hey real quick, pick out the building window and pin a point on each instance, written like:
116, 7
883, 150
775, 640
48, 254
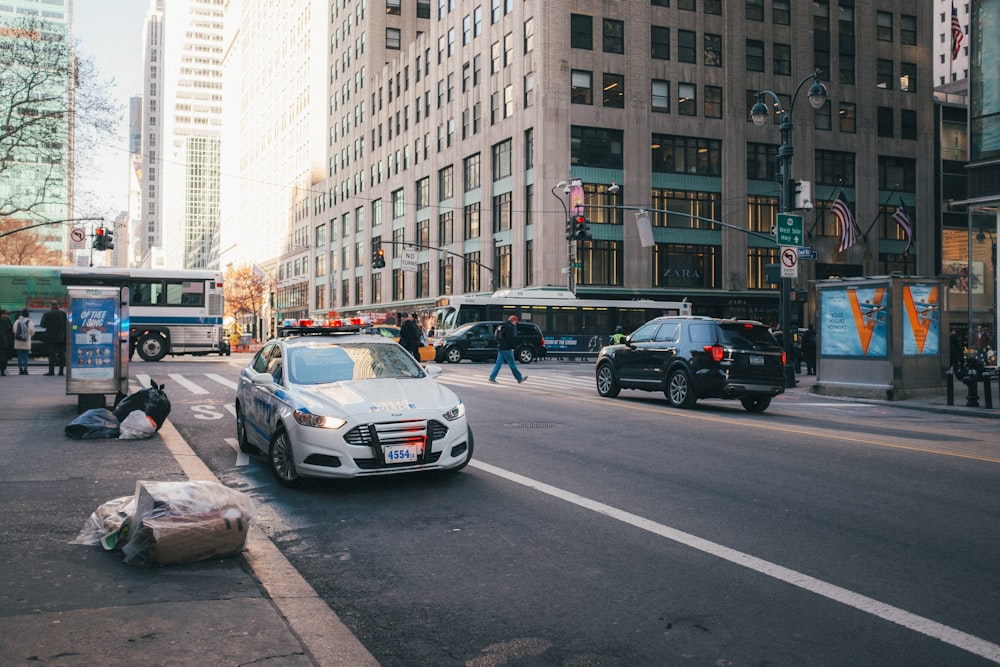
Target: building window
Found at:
687, 5
908, 77
614, 36
398, 205
674, 154
781, 12
470, 173
502, 160
883, 26
762, 162
755, 10
581, 87
713, 50
782, 58
886, 122
755, 55
614, 91
502, 212
602, 263
392, 38
897, 173
581, 32
596, 147
424, 192
392, 7
446, 183
835, 168
687, 99
659, 42
446, 228
848, 117
713, 102
471, 221
529, 90
660, 100
681, 265
908, 124
846, 43
423, 9
712, 7
686, 48
471, 281
908, 29
529, 35
883, 74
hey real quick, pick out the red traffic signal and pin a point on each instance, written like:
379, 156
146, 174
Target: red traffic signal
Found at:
581, 230
378, 258
99, 239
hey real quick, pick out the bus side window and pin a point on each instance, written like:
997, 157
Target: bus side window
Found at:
140, 294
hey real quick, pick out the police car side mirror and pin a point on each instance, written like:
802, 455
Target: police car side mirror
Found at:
262, 379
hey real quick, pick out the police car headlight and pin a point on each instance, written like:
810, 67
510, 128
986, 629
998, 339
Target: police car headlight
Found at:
317, 421
456, 412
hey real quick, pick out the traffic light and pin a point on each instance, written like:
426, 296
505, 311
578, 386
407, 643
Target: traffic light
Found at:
378, 258
581, 228
802, 196
570, 230
99, 239
109, 238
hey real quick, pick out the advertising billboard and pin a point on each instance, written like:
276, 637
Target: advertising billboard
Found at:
854, 321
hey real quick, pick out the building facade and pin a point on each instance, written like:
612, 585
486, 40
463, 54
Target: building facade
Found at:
37, 177
452, 128
181, 135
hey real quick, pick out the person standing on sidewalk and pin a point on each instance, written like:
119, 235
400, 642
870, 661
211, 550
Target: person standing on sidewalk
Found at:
24, 329
505, 350
54, 323
6, 340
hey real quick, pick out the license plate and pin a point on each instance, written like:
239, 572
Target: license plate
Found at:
756, 360
401, 453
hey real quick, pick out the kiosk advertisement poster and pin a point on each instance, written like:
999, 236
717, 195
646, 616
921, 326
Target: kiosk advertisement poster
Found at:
93, 335
854, 321
921, 320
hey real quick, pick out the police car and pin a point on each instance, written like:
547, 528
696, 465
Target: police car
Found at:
328, 401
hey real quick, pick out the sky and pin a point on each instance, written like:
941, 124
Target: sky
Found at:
109, 32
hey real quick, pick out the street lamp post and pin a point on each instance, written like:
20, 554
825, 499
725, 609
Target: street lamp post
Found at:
569, 243
760, 114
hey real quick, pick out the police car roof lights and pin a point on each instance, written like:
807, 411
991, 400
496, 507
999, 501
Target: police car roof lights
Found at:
306, 327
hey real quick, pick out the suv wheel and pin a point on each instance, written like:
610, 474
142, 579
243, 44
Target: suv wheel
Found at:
524, 355
453, 355
755, 403
679, 391
607, 384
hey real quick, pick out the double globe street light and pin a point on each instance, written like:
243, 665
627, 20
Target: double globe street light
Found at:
760, 113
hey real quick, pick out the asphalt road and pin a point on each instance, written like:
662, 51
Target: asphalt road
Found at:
592, 531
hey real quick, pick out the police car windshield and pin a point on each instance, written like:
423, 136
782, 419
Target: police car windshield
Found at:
322, 363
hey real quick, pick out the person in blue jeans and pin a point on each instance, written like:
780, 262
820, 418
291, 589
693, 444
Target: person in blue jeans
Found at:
505, 350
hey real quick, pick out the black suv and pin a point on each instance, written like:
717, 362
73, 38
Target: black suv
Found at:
688, 358
475, 341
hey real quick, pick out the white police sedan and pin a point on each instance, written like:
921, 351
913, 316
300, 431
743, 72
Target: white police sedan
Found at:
329, 402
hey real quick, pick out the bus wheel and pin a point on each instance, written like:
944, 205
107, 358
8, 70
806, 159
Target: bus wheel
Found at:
152, 347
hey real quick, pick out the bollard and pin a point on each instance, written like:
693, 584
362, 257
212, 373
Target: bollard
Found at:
987, 391
972, 381
950, 379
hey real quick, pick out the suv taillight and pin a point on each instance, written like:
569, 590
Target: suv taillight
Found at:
716, 351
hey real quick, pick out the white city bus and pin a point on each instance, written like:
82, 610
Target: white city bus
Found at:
569, 324
170, 311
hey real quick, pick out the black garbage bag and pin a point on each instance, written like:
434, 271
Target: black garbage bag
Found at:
94, 424
152, 400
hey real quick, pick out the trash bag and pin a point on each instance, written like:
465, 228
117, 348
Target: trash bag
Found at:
172, 522
152, 400
94, 424
137, 426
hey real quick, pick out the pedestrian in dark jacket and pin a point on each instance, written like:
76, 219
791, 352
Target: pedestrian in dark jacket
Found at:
6, 340
409, 336
505, 350
54, 323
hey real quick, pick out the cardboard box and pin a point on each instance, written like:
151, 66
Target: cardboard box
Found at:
186, 539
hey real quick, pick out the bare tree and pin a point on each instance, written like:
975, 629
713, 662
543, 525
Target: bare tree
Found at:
51, 105
23, 248
244, 292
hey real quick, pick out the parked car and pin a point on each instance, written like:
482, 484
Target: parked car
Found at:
322, 402
476, 341
688, 358
392, 331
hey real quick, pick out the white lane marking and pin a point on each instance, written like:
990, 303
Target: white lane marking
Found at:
863, 603
224, 381
187, 384
242, 458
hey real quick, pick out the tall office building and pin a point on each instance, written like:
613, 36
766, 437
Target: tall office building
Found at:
37, 181
181, 133
452, 127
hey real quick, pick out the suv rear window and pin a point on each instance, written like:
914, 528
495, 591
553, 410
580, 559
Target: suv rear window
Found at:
743, 336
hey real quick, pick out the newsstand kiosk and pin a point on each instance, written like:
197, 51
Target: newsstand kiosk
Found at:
97, 329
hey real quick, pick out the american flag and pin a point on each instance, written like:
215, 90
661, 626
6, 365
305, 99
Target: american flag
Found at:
903, 220
849, 230
956, 33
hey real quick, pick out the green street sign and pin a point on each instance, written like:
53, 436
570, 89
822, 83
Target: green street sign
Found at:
790, 230
577, 265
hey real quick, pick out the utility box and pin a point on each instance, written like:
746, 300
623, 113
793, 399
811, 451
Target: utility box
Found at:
97, 344
881, 337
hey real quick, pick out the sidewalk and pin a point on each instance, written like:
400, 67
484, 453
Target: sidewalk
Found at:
65, 604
